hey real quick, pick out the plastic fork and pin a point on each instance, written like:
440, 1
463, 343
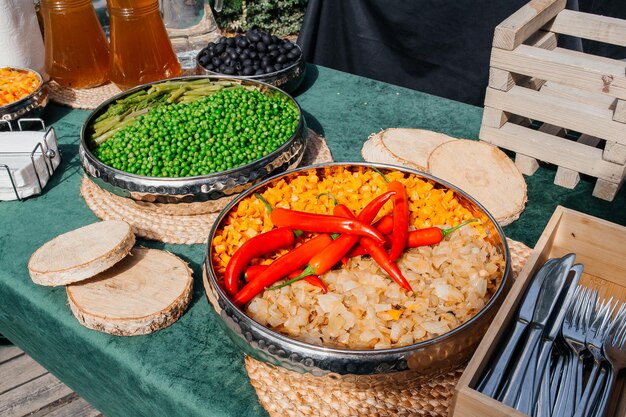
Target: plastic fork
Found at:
615, 353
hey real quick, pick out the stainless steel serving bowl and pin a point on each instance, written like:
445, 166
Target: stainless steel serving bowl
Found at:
287, 79
368, 367
199, 188
29, 106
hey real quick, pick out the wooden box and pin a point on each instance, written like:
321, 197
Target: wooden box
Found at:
600, 246
532, 78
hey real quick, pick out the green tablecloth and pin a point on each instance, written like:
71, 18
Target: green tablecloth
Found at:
191, 368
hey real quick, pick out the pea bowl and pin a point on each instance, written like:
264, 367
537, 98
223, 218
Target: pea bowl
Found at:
230, 167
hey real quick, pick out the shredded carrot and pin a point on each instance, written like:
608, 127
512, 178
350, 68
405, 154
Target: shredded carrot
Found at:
428, 206
16, 84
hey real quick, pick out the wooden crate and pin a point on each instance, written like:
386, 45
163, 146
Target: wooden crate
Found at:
531, 78
600, 246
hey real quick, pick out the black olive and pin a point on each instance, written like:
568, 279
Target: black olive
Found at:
205, 52
247, 62
242, 43
219, 49
209, 67
275, 40
260, 55
254, 37
230, 42
271, 47
274, 54
269, 69
282, 50
228, 61
238, 50
229, 70
292, 56
247, 71
278, 67
252, 54
281, 59
287, 64
210, 44
266, 61
222, 67
216, 61
222, 40
261, 47
238, 66
267, 39
256, 66
288, 45
259, 72
203, 60
234, 56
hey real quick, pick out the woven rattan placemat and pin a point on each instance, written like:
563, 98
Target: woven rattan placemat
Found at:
286, 393
177, 223
87, 98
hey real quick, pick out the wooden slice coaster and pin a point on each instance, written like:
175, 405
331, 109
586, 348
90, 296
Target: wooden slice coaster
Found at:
405, 147
81, 253
145, 292
287, 393
484, 172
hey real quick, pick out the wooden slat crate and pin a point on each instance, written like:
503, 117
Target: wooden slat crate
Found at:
531, 78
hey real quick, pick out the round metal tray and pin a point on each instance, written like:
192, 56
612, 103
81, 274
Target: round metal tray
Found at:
441, 353
29, 106
287, 79
198, 188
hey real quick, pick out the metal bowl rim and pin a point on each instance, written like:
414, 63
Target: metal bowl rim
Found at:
158, 180
254, 77
23, 100
350, 352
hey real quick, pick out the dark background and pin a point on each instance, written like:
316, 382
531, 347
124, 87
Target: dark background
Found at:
441, 47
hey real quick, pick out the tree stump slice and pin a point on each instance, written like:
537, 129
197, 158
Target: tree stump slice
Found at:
145, 292
405, 147
484, 172
81, 254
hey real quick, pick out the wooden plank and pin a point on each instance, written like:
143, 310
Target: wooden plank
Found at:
9, 352
614, 152
527, 165
494, 117
569, 178
619, 114
542, 39
601, 101
584, 118
523, 23
70, 406
606, 190
18, 371
589, 26
552, 149
571, 68
500, 79
32, 396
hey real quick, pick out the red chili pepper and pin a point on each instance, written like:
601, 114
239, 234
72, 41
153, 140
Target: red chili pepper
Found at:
255, 270
378, 253
400, 220
432, 235
327, 258
384, 225
282, 267
421, 237
323, 223
253, 248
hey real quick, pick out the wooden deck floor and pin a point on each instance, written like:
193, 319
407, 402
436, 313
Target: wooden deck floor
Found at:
27, 389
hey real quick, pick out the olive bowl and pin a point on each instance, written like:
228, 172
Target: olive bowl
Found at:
366, 368
287, 79
193, 189
31, 105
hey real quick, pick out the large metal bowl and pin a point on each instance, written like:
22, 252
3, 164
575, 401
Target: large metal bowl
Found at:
29, 106
442, 353
199, 188
288, 79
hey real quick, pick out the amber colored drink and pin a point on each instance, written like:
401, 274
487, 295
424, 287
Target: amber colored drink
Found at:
141, 51
77, 52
